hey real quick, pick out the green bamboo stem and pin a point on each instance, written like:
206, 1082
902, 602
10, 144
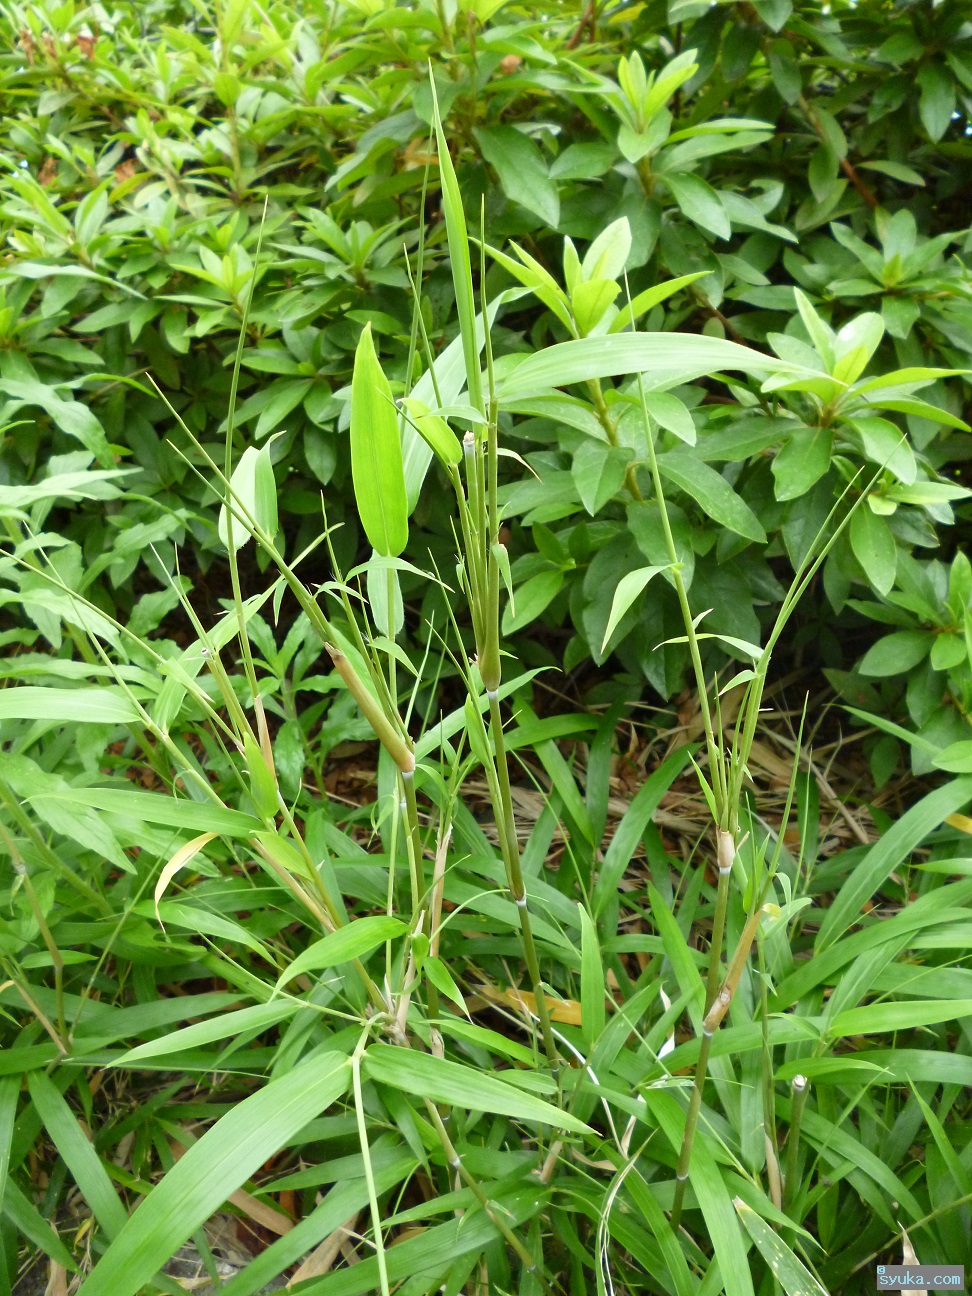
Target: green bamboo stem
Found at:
489, 656
710, 1024
507, 832
456, 1165
716, 765
359, 1111
773, 1173
725, 855
413, 841
799, 1089
691, 1122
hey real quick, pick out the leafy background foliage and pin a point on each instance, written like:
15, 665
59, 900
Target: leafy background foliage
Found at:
783, 154
789, 177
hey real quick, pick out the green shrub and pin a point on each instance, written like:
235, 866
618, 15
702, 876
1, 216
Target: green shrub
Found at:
779, 151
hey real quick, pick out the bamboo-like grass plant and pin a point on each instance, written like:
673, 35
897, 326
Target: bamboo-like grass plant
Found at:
396, 1039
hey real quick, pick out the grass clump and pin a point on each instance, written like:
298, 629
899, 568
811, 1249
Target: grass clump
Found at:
473, 1042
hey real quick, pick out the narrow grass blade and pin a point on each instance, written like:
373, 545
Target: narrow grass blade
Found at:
223, 1159
152, 808
896, 845
28, 1221
636, 819
443, 1081
256, 1017
458, 240
354, 941
78, 1153
788, 1270
712, 1196
592, 981
106, 705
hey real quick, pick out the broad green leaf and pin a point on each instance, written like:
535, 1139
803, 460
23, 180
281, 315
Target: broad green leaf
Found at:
948, 651
874, 548
896, 170
744, 438
785, 70
583, 161
923, 409
651, 297
443, 1081
353, 941
668, 80
221, 1161
376, 454
629, 588
105, 705
699, 202
665, 359
88, 484
589, 300
608, 254
522, 171
529, 272
437, 971
899, 315
254, 487
671, 413
531, 598
71, 416
897, 653
787, 1268
955, 759
284, 399
435, 431
936, 101
887, 446
855, 344
599, 471
927, 492
821, 334
802, 460
711, 490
